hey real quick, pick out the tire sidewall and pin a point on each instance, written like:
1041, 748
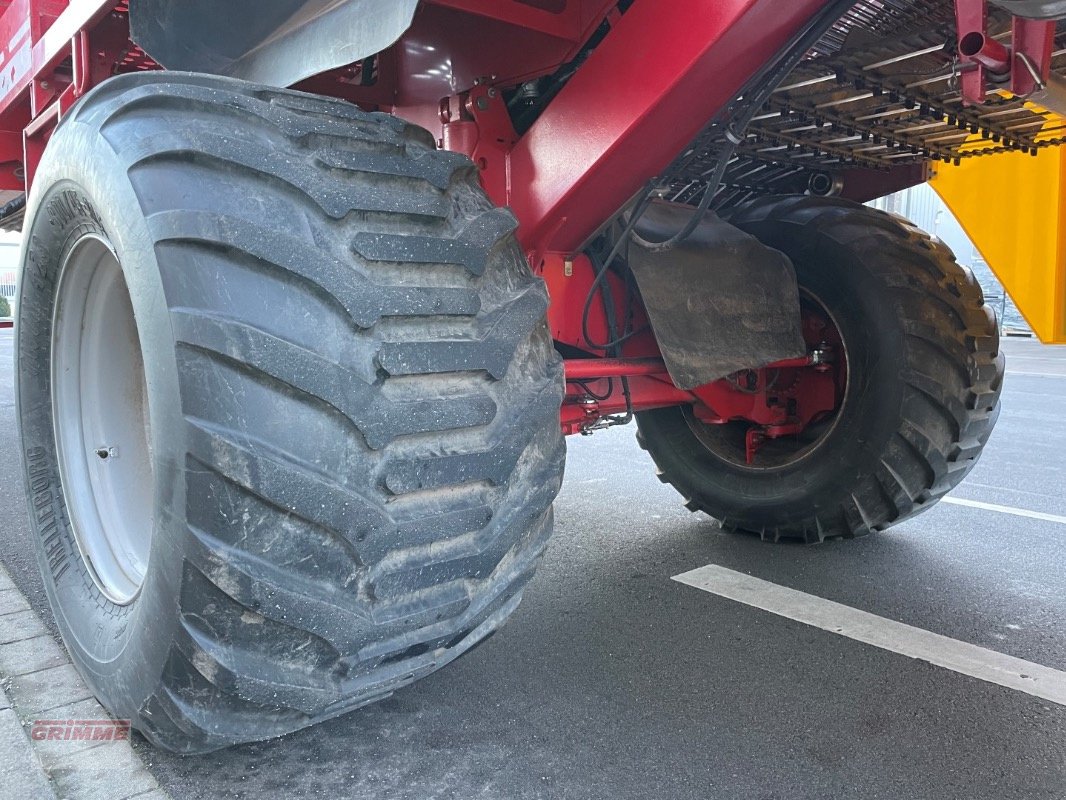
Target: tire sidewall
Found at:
81, 187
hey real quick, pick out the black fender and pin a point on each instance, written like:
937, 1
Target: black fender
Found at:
276, 42
718, 301
1034, 9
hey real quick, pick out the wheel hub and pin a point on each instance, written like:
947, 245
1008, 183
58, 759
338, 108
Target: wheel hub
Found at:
770, 417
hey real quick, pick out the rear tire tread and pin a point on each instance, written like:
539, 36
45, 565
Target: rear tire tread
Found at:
953, 371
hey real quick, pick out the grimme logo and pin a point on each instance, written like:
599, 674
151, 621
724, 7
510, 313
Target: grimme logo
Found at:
97, 730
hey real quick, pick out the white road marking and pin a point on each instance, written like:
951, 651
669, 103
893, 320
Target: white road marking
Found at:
1017, 512
897, 637
1036, 374
971, 483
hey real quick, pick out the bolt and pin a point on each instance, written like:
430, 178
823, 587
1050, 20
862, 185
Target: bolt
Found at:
105, 453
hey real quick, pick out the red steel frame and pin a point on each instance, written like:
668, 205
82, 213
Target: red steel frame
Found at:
991, 61
638, 99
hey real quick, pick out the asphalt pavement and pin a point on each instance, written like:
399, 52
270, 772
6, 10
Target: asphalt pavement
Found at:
614, 681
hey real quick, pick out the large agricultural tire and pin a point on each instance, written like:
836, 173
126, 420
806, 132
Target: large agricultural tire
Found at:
305, 400
924, 374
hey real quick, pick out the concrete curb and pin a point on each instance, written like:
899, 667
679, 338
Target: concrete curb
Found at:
38, 682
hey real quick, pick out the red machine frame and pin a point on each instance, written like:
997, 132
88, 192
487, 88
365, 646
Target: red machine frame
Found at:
596, 144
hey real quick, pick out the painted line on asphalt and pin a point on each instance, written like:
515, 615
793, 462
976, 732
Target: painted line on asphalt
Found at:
897, 637
1017, 512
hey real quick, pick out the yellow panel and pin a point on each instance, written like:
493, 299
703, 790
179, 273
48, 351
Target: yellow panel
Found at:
1013, 207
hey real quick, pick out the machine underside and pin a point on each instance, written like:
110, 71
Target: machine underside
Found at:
870, 110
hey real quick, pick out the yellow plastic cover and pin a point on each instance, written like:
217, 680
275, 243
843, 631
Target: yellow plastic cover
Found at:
1013, 207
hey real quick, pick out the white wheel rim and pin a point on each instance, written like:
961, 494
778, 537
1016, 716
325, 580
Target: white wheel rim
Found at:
100, 419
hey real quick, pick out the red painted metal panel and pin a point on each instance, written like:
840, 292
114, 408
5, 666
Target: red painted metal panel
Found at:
16, 62
562, 19
569, 283
1035, 39
27, 56
643, 94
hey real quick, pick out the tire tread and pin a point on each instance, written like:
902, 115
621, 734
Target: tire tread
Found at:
952, 374
429, 514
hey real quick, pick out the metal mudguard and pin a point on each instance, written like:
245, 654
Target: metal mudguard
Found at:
1034, 9
276, 42
719, 301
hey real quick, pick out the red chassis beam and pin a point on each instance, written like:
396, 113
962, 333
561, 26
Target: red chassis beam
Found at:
778, 399
658, 77
778, 407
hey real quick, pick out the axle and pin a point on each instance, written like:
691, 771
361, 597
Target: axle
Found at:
779, 399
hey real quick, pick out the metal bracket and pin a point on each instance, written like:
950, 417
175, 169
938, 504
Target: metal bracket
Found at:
1023, 67
476, 123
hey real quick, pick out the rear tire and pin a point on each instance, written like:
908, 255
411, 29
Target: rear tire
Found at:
924, 379
351, 405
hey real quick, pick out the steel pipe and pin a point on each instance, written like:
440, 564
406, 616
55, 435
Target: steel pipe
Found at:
986, 51
586, 369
